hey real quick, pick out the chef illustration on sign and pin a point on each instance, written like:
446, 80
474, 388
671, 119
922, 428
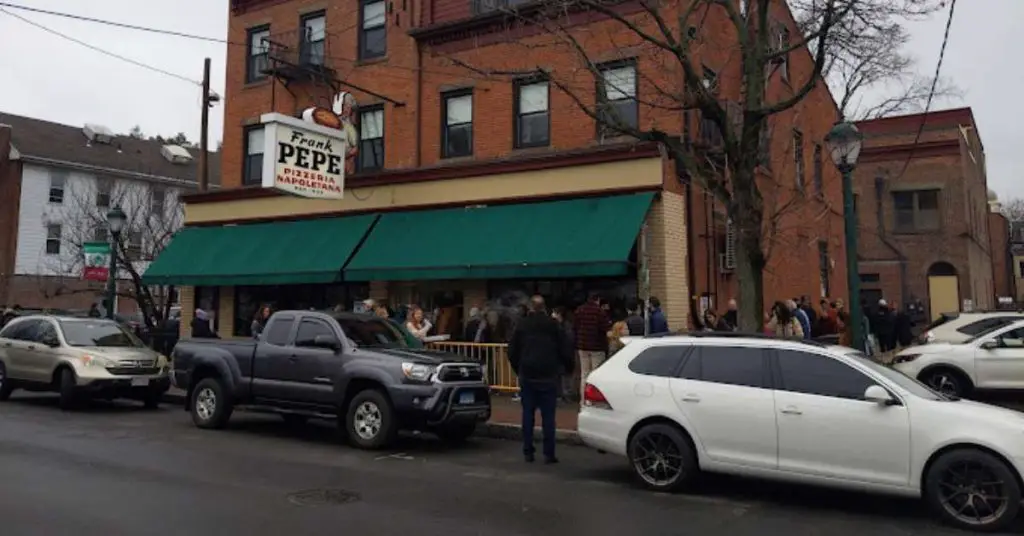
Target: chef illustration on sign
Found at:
342, 117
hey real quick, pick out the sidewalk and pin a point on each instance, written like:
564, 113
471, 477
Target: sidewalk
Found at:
506, 416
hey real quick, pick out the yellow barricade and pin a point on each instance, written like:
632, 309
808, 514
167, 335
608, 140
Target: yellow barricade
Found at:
493, 357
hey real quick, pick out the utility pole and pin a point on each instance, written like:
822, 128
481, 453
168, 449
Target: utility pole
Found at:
204, 134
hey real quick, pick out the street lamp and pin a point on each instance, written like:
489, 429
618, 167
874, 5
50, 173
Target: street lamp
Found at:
115, 222
844, 144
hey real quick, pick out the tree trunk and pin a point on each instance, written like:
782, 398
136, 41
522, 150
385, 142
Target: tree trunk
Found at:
747, 211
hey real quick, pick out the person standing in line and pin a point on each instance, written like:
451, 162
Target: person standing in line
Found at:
801, 316
417, 324
259, 322
731, 316
539, 354
591, 336
634, 320
658, 322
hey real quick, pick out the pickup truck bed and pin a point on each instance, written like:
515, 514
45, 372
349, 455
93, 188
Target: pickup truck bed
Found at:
357, 369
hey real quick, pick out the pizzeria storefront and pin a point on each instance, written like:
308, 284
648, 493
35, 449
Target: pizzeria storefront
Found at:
484, 237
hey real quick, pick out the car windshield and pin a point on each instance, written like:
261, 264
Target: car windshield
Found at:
373, 332
97, 333
909, 384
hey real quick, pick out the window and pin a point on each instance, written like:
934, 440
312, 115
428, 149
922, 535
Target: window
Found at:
658, 361
733, 365
824, 267
870, 278
252, 170
24, 330
258, 59
373, 36
371, 138
314, 37
783, 42
279, 330
53, 239
532, 121
764, 152
134, 247
798, 159
457, 135
1012, 339
103, 187
820, 375
819, 180
616, 92
310, 329
156, 202
709, 78
977, 328
916, 210
58, 181
99, 234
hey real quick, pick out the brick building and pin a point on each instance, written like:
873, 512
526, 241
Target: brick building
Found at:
924, 212
56, 184
1003, 281
437, 136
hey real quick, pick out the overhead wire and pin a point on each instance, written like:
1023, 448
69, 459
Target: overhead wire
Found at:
103, 51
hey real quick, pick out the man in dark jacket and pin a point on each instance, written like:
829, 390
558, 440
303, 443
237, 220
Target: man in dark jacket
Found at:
540, 353
634, 321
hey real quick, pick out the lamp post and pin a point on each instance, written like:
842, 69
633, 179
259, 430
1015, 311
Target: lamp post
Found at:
115, 222
844, 144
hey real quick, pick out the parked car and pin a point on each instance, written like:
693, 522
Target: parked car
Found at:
958, 327
992, 360
358, 369
79, 357
799, 411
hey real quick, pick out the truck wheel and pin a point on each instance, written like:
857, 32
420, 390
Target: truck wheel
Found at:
68, 390
456, 434
6, 386
211, 408
370, 420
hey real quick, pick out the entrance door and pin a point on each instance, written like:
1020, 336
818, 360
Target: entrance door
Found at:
943, 294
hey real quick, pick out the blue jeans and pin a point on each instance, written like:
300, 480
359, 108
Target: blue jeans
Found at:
543, 396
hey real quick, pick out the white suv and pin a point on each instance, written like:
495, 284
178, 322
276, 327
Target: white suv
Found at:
958, 327
992, 360
804, 412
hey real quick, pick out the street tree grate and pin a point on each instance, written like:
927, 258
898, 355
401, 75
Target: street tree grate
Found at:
317, 497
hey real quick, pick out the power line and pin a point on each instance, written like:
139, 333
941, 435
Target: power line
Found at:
112, 23
101, 50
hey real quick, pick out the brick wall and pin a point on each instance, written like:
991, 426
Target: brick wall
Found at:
10, 190
186, 295
999, 245
666, 235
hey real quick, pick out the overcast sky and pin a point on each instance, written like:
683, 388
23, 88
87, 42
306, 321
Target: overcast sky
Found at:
51, 78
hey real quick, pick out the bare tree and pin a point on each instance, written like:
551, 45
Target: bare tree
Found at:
866, 52
1013, 209
154, 213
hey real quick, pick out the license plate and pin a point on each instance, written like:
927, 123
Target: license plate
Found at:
466, 398
140, 382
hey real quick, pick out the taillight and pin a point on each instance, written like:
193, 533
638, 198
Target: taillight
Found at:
593, 397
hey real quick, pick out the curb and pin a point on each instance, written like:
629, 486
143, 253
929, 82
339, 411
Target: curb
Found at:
492, 430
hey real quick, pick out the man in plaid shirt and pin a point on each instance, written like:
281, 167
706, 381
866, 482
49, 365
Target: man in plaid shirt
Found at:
591, 336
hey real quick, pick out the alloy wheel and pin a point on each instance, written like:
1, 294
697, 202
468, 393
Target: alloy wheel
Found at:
973, 493
368, 420
658, 460
945, 383
206, 403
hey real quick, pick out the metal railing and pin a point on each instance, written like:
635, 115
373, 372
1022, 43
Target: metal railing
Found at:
493, 357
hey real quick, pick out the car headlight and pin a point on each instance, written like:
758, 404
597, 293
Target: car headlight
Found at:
418, 372
96, 361
906, 358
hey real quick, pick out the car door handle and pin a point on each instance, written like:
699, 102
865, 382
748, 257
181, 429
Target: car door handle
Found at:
791, 410
693, 399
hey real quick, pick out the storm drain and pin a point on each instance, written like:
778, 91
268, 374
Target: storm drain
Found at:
318, 497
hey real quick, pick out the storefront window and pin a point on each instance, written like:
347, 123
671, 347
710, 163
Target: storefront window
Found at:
208, 299
294, 297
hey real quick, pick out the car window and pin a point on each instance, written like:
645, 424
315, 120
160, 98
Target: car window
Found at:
309, 328
1013, 338
911, 385
95, 332
13, 330
26, 330
45, 331
658, 361
988, 324
812, 374
733, 365
370, 331
279, 330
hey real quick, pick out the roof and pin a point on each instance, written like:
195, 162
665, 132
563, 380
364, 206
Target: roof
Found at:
44, 139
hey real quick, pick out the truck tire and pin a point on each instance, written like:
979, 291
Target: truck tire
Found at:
68, 390
370, 421
211, 407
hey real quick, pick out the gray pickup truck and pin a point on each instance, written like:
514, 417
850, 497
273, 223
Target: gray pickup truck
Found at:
358, 369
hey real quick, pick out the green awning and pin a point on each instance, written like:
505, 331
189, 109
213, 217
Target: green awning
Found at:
575, 238
277, 253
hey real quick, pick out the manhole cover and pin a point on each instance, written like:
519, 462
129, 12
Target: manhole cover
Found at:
314, 497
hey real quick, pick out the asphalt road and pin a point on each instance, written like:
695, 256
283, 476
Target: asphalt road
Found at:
118, 470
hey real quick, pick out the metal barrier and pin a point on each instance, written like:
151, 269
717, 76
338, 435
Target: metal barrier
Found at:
493, 357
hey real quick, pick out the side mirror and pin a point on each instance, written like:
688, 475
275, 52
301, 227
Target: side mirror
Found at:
326, 342
878, 395
989, 345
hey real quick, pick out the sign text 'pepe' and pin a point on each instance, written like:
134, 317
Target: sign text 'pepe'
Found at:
304, 152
